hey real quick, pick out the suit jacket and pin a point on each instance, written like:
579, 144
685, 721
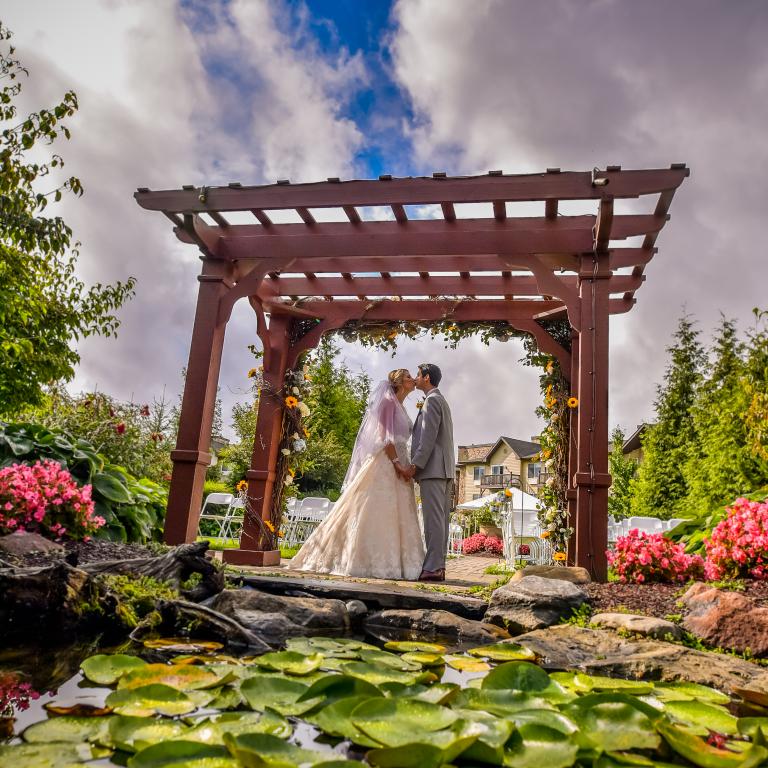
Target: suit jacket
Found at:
432, 440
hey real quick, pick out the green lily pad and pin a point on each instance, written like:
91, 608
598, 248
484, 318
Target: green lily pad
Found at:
335, 720
704, 717
517, 676
106, 669
376, 675
532, 746
550, 718
331, 688
391, 660
227, 698
70, 729
55, 754
608, 722
437, 693
182, 677
254, 750
499, 702
279, 693
132, 734
410, 645
573, 681
684, 691
211, 730
494, 734
183, 645
340, 647
423, 658
290, 662
183, 754
150, 699
617, 685
750, 726
503, 652
341, 764
390, 721
467, 664
696, 749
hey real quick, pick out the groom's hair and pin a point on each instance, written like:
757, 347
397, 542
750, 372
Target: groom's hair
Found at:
431, 370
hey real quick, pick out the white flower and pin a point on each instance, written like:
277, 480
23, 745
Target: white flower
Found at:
285, 452
295, 390
303, 409
288, 480
299, 445
550, 481
295, 436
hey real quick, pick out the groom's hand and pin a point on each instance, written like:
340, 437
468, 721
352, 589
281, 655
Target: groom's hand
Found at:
410, 471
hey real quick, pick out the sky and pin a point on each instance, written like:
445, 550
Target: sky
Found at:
207, 92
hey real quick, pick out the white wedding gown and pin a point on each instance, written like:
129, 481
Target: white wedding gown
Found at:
373, 530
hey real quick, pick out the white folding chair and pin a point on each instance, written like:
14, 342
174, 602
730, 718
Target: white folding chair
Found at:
646, 524
214, 500
455, 537
233, 519
311, 511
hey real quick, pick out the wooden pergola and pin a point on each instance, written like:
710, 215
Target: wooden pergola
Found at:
425, 263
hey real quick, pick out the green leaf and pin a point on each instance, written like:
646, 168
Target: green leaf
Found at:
376, 675
503, 652
331, 688
517, 676
183, 677
183, 754
534, 746
150, 699
133, 734
696, 749
211, 730
685, 691
393, 721
277, 693
56, 754
290, 662
254, 750
111, 488
66, 728
410, 645
106, 669
335, 720
704, 717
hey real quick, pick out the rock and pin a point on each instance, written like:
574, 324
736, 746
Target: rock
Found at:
356, 609
23, 543
726, 619
283, 614
533, 602
565, 573
638, 625
602, 652
430, 623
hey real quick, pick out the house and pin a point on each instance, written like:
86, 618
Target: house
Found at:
633, 447
484, 468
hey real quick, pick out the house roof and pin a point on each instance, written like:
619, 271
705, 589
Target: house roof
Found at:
634, 441
478, 453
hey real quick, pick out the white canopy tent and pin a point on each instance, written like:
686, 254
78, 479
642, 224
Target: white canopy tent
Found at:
518, 501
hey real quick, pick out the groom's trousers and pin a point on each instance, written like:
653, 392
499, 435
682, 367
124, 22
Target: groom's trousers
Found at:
436, 503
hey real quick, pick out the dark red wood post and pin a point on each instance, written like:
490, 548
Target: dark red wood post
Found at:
591, 478
191, 456
261, 476
572, 448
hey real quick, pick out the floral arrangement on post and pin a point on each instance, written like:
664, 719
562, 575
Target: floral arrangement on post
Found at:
45, 499
738, 546
642, 557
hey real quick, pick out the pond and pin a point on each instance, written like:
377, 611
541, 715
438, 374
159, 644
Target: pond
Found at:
327, 701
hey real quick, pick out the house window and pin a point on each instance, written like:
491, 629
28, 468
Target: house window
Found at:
497, 469
534, 470
478, 474
475, 496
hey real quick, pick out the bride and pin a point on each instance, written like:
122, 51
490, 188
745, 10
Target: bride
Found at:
373, 530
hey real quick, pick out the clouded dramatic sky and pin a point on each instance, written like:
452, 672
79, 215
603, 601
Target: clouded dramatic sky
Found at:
212, 91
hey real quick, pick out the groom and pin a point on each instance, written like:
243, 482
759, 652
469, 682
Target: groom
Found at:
433, 466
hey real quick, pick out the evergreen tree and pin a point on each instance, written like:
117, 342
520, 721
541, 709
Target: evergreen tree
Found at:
622, 470
754, 391
661, 487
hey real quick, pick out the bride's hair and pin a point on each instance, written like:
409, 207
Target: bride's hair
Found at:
396, 377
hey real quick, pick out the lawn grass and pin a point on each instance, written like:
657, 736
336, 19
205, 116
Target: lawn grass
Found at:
218, 544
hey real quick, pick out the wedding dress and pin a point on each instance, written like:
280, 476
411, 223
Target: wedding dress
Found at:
373, 529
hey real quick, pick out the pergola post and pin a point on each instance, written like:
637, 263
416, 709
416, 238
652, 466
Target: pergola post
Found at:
191, 456
261, 476
591, 478
572, 448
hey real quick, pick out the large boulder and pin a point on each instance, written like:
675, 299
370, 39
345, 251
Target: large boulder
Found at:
533, 602
602, 652
726, 619
648, 626
574, 574
434, 624
23, 543
279, 615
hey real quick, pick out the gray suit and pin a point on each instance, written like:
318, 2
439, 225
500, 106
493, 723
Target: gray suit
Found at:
432, 454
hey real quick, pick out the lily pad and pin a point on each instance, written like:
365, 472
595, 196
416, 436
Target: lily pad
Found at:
183, 754
254, 750
609, 723
376, 675
517, 676
339, 647
391, 721
278, 693
495, 732
750, 726
391, 660
685, 691
331, 688
617, 685
147, 700
573, 681
59, 754
550, 718
535, 745
78, 709
705, 717
182, 677
290, 662
467, 664
503, 652
435, 694
211, 730
133, 734
215, 658
499, 702
106, 669
423, 658
183, 645
335, 720
227, 698
70, 729
696, 749
410, 645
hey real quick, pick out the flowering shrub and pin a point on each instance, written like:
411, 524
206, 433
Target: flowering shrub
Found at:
644, 557
15, 694
479, 542
738, 546
44, 498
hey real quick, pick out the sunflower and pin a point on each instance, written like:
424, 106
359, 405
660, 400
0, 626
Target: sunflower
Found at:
291, 401
546, 534
507, 492
573, 402
253, 373
241, 486
306, 432
559, 557
269, 525
550, 367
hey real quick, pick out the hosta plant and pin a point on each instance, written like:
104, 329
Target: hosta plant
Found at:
738, 546
642, 557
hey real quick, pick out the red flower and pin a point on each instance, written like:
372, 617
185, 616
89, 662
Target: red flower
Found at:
144, 411
120, 428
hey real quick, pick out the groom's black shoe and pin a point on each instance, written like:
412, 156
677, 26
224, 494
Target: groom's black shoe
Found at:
438, 575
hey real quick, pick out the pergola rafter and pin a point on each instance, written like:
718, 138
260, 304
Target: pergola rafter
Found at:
400, 250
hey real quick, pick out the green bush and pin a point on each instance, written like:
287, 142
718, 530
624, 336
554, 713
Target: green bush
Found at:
215, 486
134, 509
